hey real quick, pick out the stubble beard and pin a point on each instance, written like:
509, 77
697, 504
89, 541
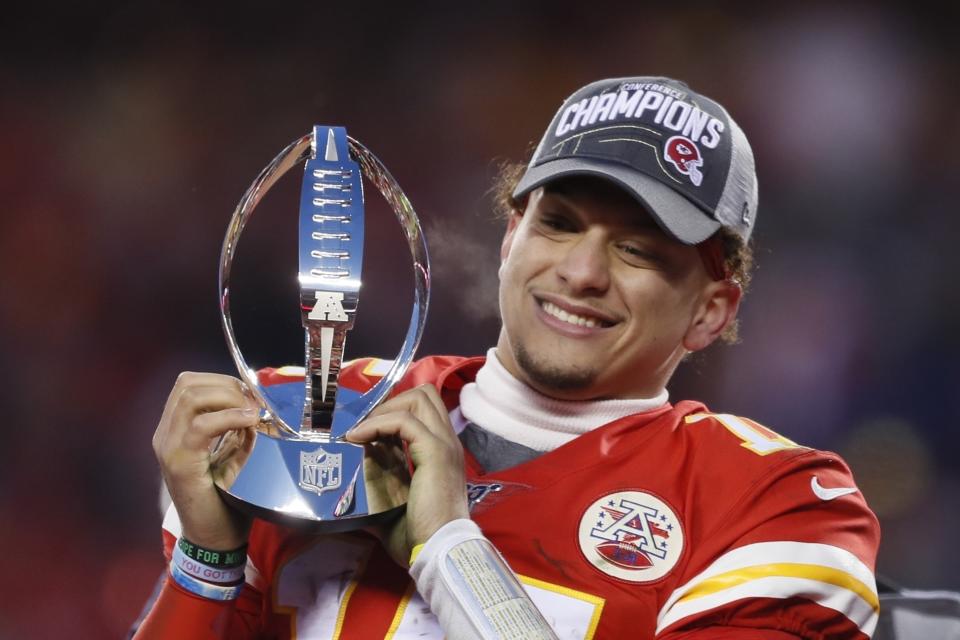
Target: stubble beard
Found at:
546, 376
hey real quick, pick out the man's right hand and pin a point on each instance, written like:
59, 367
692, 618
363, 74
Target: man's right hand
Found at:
201, 408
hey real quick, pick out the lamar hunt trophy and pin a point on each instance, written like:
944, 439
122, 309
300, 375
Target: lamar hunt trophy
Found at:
298, 469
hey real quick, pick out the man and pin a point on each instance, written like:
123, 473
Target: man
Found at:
623, 516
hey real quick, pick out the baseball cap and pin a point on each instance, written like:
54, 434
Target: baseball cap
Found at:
679, 153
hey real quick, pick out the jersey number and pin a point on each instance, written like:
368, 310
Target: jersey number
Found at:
755, 437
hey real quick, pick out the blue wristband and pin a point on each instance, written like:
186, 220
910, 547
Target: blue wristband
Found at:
204, 589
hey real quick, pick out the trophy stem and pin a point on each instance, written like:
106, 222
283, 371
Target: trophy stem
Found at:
324, 346
331, 259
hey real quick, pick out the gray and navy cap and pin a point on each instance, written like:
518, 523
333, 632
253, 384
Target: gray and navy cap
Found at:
679, 153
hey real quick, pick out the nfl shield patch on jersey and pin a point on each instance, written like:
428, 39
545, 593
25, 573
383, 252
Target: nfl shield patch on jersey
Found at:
631, 535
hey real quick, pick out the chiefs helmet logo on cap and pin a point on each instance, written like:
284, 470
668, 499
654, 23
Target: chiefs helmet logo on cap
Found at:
684, 154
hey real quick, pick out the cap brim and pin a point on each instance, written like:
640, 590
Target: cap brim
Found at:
676, 215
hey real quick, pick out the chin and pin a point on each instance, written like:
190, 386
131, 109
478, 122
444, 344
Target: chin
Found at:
549, 376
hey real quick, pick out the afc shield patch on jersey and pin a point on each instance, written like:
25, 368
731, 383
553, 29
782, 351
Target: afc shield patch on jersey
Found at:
631, 535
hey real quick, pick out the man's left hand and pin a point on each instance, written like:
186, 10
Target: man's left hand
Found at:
438, 492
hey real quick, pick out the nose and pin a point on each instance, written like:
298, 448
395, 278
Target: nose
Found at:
585, 265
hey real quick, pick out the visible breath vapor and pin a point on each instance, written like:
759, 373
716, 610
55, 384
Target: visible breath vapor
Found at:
464, 260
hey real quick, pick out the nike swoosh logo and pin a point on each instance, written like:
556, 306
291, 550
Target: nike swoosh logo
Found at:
829, 494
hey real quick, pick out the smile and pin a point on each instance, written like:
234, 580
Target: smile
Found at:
571, 318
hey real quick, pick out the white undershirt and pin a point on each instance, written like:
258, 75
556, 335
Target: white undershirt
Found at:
501, 404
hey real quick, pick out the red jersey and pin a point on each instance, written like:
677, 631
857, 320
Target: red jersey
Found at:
674, 523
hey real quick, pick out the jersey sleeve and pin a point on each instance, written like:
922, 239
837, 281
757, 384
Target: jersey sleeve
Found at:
177, 613
794, 555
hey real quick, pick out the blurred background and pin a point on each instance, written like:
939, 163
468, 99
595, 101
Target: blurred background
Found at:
130, 132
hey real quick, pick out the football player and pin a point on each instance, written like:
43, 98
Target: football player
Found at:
557, 491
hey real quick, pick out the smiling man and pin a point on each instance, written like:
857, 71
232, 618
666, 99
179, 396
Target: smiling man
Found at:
557, 492
597, 301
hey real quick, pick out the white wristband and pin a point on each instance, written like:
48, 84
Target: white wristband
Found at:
203, 571
204, 589
472, 590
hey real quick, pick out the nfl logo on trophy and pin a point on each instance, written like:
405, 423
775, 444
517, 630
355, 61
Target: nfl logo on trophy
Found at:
320, 471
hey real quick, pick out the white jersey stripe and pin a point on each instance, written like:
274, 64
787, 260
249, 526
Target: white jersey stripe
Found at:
376, 368
857, 610
825, 563
171, 521
762, 553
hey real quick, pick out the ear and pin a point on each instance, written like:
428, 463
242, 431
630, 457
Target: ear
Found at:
718, 308
512, 223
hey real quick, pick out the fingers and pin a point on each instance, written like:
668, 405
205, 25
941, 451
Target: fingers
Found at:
419, 418
425, 397
193, 378
398, 423
197, 400
200, 408
208, 426
433, 396
186, 391
423, 403
190, 379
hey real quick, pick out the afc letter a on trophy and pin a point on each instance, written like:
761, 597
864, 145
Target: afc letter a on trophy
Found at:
329, 306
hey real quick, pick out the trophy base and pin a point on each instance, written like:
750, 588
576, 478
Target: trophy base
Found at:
313, 526
321, 485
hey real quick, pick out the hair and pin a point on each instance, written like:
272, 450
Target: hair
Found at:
737, 254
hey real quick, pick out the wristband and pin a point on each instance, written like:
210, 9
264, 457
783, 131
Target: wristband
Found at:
219, 559
482, 583
471, 589
204, 589
205, 572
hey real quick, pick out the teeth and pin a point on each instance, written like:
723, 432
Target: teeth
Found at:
560, 314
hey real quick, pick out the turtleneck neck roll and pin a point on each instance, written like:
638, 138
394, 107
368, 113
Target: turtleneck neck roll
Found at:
501, 404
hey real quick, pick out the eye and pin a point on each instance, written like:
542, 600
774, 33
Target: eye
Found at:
640, 255
557, 222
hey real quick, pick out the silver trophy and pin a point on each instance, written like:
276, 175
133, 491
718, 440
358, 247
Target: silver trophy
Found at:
298, 469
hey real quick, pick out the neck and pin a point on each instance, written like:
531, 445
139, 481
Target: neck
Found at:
500, 403
652, 387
